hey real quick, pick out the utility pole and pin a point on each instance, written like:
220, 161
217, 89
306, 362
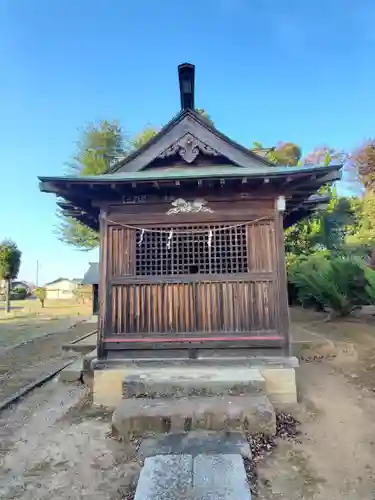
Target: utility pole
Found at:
37, 274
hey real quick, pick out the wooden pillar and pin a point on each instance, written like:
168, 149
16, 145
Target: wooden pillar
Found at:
95, 299
282, 282
103, 281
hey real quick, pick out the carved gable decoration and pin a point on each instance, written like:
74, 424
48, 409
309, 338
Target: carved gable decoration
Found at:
191, 139
188, 147
181, 206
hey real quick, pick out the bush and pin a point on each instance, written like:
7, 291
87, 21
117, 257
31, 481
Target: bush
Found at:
41, 295
370, 283
18, 293
336, 283
295, 293
83, 294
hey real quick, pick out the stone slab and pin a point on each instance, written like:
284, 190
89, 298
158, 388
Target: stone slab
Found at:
84, 345
250, 361
195, 443
143, 417
165, 477
183, 381
220, 477
205, 477
72, 373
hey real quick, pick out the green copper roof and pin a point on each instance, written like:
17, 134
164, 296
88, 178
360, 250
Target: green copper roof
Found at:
218, 171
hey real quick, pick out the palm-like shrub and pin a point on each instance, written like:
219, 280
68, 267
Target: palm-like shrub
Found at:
338, 284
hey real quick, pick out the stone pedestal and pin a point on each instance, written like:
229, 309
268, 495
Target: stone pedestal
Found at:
272, 376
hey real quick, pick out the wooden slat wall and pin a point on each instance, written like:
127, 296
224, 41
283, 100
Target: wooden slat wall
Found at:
225, 306
121, 246
229, 304
261, 247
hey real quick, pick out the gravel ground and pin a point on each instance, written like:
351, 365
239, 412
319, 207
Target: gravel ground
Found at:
53, 446
26, 363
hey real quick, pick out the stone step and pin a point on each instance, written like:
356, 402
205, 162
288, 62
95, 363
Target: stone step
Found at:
195, 443
143, 417
172, 477
73, 372
161, 381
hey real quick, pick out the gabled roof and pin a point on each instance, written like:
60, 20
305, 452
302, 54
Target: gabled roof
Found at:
191, 125
187, 151
61, 279
209, 172
91, 276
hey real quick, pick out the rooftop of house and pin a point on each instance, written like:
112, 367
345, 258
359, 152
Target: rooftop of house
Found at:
91, 276
77, 281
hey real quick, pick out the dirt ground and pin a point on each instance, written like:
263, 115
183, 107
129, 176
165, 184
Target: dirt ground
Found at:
53, 450
28, 320
52, 447
336, 456
25, 363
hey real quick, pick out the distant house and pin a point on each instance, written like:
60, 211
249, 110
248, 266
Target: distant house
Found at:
61, 288
15, 284
91, 278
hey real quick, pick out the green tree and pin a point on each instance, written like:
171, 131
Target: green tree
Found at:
10, 261
287, 153
97, 146
360, 237
324, 230
205, 115
364, 161
41, 294
143, 137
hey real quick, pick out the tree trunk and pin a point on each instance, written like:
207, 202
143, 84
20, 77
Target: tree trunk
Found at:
7, 296
372, 261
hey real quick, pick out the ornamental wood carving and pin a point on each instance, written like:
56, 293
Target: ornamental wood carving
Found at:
189, 147
181, 206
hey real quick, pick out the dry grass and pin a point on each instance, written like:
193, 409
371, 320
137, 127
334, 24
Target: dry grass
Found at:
28, 319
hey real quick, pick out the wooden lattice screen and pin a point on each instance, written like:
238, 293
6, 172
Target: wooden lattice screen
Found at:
188, 251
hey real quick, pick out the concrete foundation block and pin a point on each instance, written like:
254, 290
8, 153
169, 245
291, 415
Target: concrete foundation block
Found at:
72, 373
107, 387
280, 384
137, 418
87, 360
272, 376
192, 381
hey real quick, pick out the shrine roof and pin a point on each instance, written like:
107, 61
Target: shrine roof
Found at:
206, 172
188, 148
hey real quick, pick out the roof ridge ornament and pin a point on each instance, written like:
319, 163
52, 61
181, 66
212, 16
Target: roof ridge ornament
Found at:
188, 147
186, 78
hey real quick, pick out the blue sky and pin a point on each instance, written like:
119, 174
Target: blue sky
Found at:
266, 70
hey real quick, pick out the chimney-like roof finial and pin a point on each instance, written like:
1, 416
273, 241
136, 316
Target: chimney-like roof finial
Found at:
186, 77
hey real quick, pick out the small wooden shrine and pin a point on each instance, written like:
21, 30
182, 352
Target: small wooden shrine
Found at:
191, 240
